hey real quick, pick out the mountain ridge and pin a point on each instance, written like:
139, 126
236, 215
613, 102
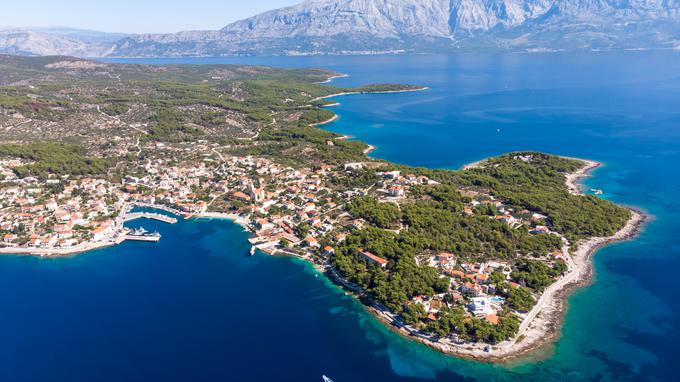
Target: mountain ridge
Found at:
392, 26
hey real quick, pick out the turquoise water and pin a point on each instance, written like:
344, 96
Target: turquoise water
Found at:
195, 307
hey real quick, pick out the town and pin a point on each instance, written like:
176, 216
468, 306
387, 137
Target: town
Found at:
297, 212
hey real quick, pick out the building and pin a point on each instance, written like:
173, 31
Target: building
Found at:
396, 191
373, 258
481, 306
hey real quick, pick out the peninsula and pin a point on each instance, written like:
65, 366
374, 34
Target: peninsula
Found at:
475, 262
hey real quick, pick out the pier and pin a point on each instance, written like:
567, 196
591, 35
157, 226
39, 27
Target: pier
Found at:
150, 215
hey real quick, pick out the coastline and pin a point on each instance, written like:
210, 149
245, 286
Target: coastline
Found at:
574, 179
542, 326
245, 224
331, 78
326, 122
370, 92
62, 252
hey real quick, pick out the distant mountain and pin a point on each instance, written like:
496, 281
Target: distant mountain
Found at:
375, 26
57, 41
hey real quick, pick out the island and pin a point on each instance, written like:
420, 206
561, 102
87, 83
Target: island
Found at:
475, 262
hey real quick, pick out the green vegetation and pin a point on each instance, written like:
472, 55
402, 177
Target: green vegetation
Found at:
536, 274
537, 184
520, 299
468, 328
405, 279
435, 222
434, 227
381, 215
53, 158
169, 126
304, 146
114, 109
18, 100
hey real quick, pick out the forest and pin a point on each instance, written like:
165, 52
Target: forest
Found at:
49, 158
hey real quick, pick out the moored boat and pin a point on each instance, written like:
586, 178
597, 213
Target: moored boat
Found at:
140, 234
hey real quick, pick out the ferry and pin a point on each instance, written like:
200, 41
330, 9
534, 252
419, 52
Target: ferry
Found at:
141, 234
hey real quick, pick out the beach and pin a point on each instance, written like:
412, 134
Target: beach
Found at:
372, 92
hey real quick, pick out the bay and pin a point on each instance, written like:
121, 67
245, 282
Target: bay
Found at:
196, 307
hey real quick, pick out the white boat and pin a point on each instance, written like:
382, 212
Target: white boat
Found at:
141, 234
252, 250
326, 379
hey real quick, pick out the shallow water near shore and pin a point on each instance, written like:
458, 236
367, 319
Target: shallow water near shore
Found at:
196, 307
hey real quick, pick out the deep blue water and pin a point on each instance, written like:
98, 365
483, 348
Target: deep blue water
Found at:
196, 307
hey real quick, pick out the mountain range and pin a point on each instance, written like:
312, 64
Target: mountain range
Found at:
384, 26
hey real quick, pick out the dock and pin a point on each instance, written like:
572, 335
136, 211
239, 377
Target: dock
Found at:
150, 215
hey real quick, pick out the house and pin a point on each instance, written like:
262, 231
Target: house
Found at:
540, 230
264, 224
101, 231
354, 166
258, 194
358, 223
473, 289
456, 274
481, 306
445, 256
373, 258
491, 318
481, 278
328, 250
9, 238
396, 191
241, 196
507, 219
538, 217
312, 242
391, 174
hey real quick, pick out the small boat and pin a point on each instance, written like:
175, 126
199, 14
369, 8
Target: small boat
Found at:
252, 250
326, 379
596, 192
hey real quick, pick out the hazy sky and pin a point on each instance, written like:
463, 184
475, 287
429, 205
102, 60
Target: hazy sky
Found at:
133, 16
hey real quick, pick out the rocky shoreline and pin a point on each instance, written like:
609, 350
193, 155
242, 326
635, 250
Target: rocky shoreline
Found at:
544, 328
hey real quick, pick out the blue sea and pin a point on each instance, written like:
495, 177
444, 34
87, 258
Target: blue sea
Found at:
196, 307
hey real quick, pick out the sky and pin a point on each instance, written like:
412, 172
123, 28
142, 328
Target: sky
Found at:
133, 16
